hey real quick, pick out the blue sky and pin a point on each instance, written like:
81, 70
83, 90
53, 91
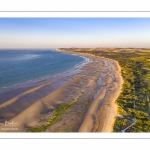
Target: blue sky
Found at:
74, 32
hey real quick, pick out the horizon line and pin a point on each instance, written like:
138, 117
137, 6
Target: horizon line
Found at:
74, 48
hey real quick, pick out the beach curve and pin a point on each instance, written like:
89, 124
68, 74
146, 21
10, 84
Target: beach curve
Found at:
91, 86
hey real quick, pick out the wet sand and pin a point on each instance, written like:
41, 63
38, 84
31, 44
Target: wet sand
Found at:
93, 87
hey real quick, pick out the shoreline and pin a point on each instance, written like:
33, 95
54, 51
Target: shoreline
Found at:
25, 90
110, 118
31, 81
34, 106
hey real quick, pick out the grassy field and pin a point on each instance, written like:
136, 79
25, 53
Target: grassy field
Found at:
134, 101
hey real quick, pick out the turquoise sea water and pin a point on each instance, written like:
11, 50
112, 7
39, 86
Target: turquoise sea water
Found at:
18, 66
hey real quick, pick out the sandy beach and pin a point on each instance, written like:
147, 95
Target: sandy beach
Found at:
103, 110
93, 87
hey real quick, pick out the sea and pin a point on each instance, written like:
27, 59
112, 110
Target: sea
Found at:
19, 66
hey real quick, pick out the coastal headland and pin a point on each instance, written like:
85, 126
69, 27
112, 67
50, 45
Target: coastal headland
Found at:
78, 100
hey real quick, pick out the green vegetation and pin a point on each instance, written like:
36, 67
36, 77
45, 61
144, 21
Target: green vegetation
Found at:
134, 101
122, 123
59, 111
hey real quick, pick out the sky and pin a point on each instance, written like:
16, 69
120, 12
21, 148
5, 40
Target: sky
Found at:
74, 32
